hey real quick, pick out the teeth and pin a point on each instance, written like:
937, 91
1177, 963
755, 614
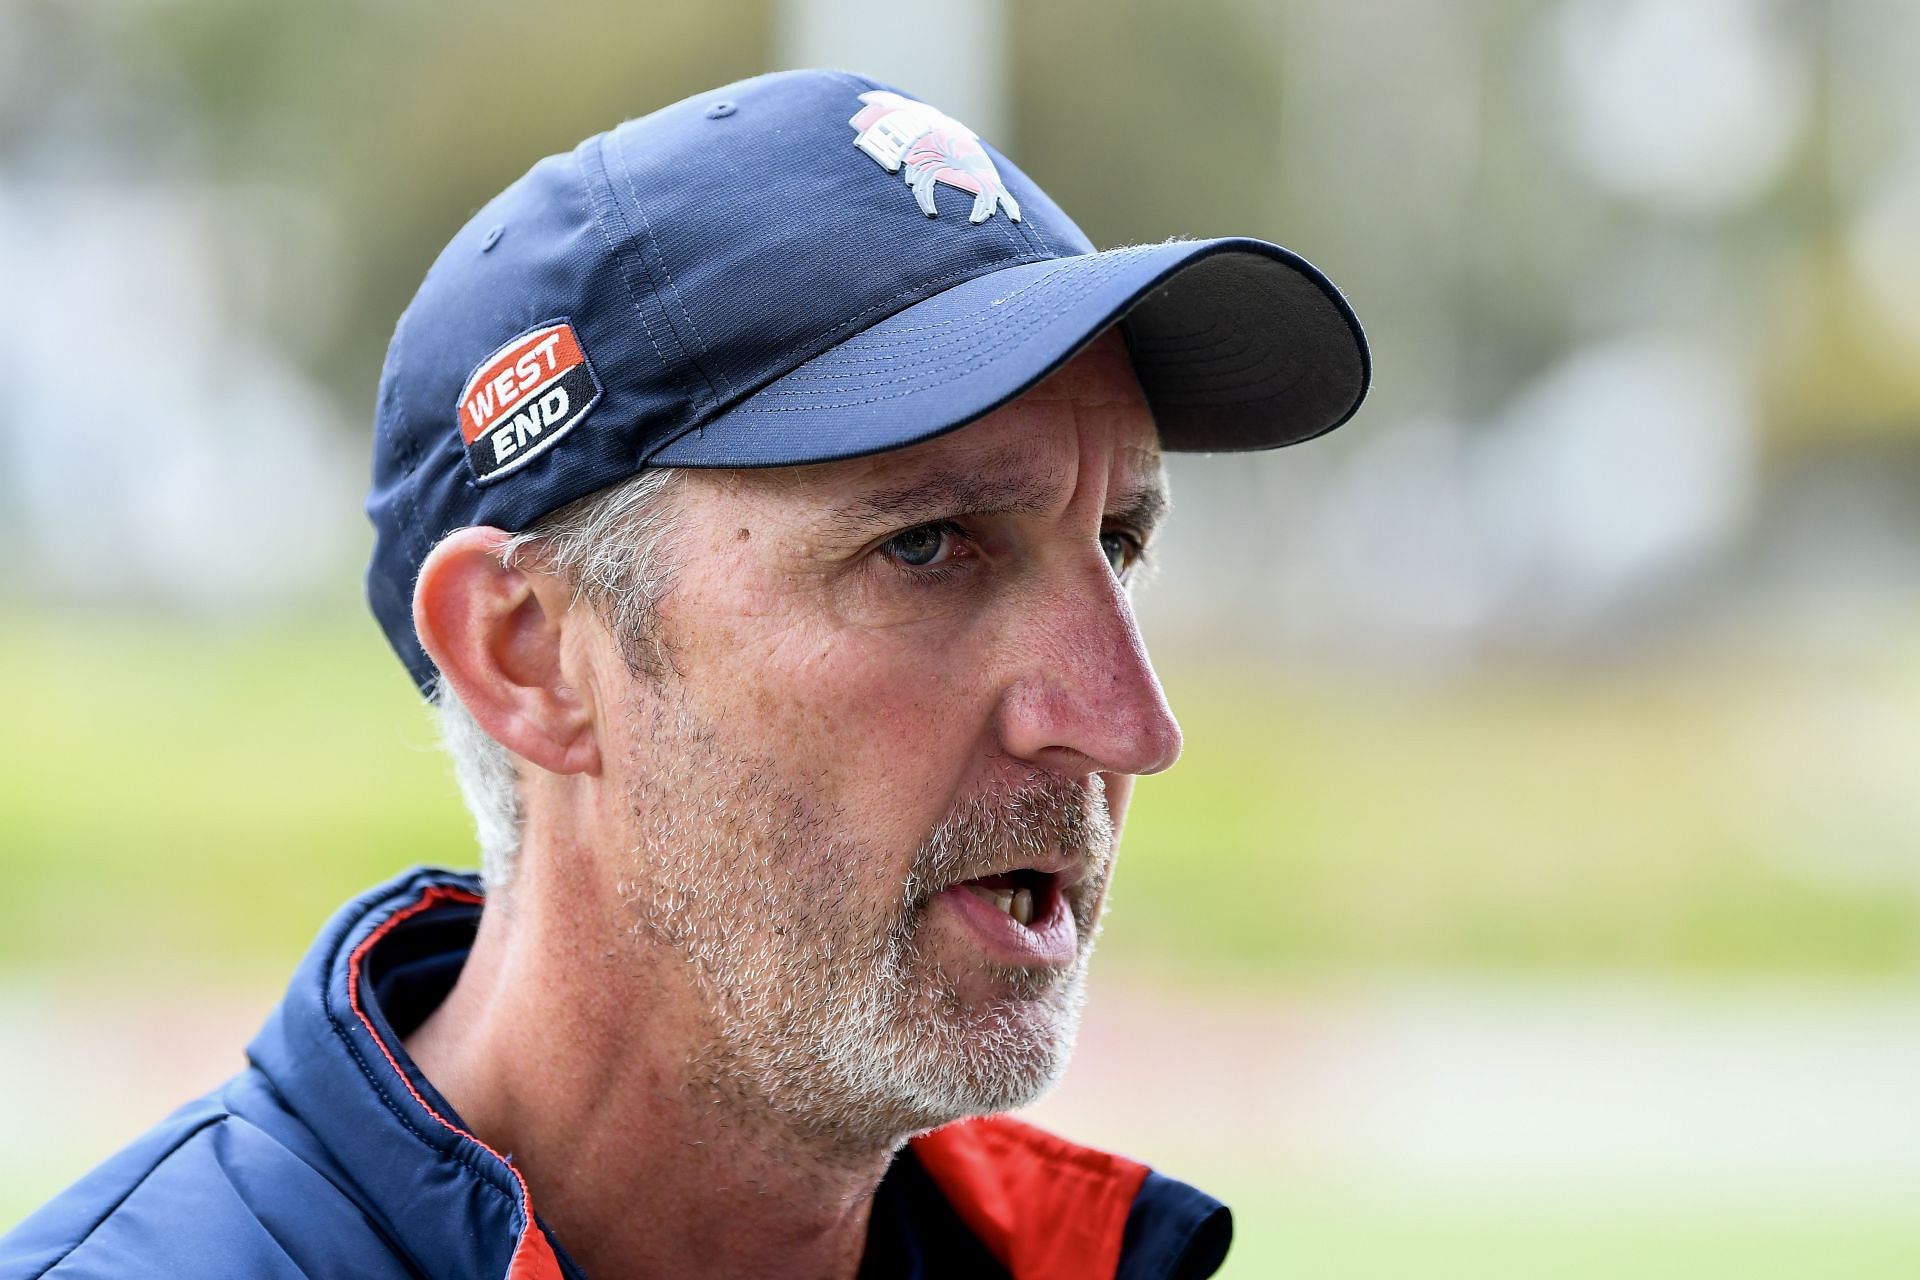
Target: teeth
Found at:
1017, 903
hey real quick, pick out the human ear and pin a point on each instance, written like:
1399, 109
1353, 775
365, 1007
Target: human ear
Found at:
497, 633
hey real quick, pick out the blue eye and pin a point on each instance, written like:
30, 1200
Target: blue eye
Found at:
1122, 549
922, 546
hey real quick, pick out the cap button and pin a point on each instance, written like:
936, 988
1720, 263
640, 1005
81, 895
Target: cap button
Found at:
491, 239
721, 110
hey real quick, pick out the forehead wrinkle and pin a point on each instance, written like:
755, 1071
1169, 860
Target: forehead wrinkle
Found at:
1139, 499
1008, 480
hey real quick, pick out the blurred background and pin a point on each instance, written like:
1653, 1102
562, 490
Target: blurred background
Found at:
1540, 890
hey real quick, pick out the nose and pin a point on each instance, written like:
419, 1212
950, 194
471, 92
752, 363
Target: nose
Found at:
1084, 697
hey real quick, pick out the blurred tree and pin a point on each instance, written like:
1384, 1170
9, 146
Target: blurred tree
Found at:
1147, 120
403, 118
1420, 154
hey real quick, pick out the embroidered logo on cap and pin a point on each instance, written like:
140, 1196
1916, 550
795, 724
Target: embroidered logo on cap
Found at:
931, 147
523, 398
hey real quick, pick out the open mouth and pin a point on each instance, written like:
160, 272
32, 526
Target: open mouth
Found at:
1022, 917
1026, 895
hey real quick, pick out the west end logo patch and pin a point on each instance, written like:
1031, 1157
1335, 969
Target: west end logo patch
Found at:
523, 398
930, 146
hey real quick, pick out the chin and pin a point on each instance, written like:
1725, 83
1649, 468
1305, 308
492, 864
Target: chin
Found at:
981, 1059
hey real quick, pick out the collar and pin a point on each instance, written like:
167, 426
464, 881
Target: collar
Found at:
454, 1204
1044, 1208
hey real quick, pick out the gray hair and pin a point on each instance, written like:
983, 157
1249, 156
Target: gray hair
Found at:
613, 547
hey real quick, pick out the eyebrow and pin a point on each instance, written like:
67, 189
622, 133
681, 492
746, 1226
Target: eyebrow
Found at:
1143, 508
1000, 483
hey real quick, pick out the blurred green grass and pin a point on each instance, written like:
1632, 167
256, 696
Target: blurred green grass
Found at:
1324, 1230
1702, 818
182, 805
190, 799
199, 799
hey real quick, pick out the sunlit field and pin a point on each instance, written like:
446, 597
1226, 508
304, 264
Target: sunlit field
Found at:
180, 810
194, 802
1321, 1232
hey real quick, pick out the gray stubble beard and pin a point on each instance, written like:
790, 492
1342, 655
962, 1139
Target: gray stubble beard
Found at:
844, 1034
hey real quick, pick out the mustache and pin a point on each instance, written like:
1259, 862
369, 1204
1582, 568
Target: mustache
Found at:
1046, 819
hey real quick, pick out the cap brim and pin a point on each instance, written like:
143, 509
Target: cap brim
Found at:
1238, 344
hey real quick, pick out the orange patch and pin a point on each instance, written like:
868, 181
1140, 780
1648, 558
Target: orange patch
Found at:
514, 374
523, 398
1044, 1207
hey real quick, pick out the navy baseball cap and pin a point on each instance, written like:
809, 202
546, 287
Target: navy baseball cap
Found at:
797, 268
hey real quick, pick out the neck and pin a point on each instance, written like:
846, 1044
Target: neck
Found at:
580, 1058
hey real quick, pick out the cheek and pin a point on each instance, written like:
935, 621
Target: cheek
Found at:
896, 708
897, 713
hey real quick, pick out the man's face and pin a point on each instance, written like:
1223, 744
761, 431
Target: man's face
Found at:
872, 802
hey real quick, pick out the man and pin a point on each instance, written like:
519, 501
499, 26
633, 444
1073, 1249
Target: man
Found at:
756, 491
